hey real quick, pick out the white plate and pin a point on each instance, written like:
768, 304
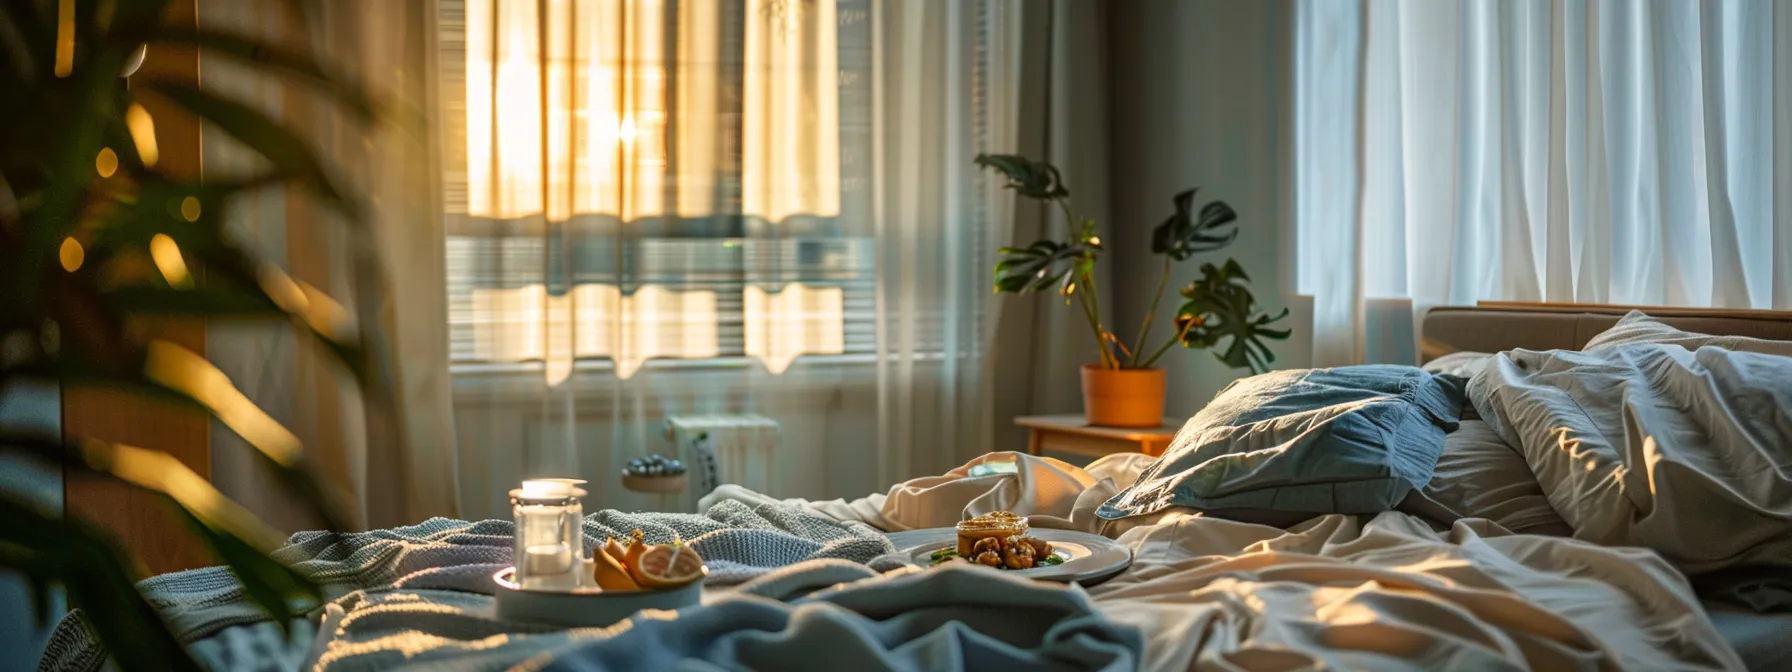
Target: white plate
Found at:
1088, 558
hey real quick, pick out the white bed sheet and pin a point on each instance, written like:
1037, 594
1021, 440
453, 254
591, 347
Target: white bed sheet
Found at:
1383, 593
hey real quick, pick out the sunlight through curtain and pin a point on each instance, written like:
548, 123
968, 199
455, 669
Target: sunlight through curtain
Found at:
591, 118
1582, 151
659, 208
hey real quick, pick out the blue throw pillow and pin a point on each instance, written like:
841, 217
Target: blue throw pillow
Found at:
1353, 439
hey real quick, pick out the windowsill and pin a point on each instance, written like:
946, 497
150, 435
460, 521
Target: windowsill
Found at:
592, 380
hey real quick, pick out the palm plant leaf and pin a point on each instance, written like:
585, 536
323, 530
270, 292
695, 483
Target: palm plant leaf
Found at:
275, 59
238, 286
236, 537
291, 156
85, 561
124, 226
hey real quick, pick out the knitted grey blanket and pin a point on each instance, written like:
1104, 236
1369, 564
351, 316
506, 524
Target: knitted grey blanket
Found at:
448, 557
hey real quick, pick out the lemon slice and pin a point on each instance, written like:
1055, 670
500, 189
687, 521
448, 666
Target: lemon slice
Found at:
610, 574
669, 566
614, 550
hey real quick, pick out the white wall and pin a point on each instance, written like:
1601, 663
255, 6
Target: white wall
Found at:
1200, 95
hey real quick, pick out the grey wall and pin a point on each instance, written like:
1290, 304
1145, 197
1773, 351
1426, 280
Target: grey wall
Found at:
1200, 95
34, 409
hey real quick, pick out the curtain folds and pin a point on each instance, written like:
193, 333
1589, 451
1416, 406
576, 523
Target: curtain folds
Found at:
396, 464
628, 211
1583, 151
668, 208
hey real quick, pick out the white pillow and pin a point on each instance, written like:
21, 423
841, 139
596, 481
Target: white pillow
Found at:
1465, 363
1479, 476
1638, 327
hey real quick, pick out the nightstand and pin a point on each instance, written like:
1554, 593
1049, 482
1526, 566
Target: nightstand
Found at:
1072, 434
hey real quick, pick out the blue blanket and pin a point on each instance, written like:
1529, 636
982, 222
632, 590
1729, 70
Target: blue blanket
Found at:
784, 585
802, 617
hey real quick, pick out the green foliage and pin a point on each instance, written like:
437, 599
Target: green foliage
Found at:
1217, 307
1220, 305
77, 324
1185, 233
1029, 178
1046, 264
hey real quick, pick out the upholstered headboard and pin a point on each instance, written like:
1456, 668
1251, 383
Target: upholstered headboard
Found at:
1492, 327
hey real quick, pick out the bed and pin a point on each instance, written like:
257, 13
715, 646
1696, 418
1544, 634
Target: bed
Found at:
1493, 572
1495, 326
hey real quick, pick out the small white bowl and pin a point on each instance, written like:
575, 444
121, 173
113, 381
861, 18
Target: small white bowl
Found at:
585, 607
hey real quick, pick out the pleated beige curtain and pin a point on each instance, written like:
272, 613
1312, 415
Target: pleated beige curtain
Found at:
396, 464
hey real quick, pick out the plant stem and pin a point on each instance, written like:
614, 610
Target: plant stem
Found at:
1091, 302
1101, 341
1138, 344
1177, 338
1101, 333
1069, 219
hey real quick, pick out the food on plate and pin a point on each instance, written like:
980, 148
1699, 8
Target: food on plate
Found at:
1010, 552
666, 566
638, 565
990, 525
631, 558
611, 574
615, 550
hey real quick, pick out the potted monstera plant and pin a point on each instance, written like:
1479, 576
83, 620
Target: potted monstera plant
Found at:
1124, 388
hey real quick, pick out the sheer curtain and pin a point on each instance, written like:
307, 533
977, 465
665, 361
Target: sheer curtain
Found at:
672, 207
396, 465
1587, 151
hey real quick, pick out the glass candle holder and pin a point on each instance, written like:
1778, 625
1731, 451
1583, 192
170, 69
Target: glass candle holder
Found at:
550, 544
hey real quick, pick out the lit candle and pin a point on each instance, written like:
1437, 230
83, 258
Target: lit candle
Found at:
547, 487
549, 548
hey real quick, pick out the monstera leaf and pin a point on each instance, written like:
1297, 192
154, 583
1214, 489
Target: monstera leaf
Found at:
1039, 266
1186, 232
1033, 179
1220, 305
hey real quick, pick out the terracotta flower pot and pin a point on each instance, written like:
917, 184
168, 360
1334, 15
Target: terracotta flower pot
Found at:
1123, 397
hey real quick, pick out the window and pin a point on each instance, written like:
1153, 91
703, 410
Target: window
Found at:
629, 181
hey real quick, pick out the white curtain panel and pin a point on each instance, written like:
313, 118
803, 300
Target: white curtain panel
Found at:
396, 465
665, 208
1588, 151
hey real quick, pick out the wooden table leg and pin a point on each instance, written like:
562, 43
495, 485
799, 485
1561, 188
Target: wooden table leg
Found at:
1033, 441
1153, 448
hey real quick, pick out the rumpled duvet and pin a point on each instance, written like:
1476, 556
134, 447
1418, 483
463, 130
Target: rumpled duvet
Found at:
1383, 592
1687, 452
815, 615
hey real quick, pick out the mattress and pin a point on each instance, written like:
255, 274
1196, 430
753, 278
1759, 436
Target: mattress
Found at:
1762, 640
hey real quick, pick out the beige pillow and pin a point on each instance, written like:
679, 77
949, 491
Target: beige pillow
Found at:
1479, 476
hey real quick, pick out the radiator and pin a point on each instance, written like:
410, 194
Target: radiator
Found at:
717, 449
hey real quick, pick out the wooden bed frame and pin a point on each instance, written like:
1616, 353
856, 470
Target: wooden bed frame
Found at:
1492, 326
